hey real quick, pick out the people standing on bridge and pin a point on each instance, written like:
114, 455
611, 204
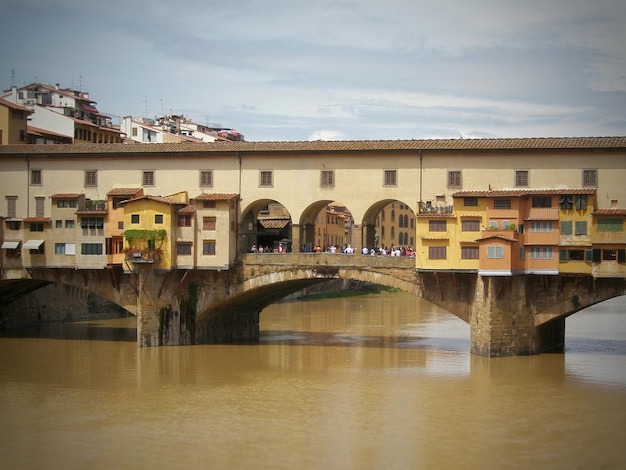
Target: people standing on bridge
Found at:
364, 250
253, 249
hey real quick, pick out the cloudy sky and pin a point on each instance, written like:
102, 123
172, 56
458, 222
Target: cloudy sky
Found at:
334, 69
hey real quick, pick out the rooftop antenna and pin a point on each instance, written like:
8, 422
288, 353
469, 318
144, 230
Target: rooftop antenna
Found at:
145, 99
12, 78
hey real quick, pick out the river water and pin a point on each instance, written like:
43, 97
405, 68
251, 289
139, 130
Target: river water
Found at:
381, 381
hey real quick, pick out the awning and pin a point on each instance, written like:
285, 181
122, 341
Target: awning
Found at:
10, 245
32, 244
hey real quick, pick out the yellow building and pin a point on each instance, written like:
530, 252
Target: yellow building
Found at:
115, 222
609, 241
13, 123
395, 226
148, 222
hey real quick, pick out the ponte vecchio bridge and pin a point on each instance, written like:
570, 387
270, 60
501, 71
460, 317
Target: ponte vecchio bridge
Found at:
515, 303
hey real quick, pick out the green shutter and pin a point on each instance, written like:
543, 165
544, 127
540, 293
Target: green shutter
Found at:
563, 256
588, 256
566, 227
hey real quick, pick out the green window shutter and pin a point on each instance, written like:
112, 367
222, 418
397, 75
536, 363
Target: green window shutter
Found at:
621, 256
597, 255
563, 256
580, 227
589, 256
566, 227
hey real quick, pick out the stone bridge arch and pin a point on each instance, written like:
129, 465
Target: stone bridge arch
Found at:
263, 279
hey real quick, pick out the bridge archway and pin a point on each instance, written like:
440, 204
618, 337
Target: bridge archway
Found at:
389, 222
264, 222
337, 232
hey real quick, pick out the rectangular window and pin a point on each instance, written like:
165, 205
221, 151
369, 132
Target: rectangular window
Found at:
610, 225
183, 248
501, 203
454, 179
134, 218
91, 177
36, 177
91, 248
265, 179
92, 222
36, 227
542, 201
206, 178
327, 179
493, 224
542, 226
208, 223
58, 224
147, 178
436, 252
158, 218
566, 227
66, 203
495, 251
120, 225
470, 201
576, 255
469, 252
184, 220
521, 178
390, 178
590, 178
580, 227
11, 206
70, 223
13, 225
59, 248
437, 225
40, 203
208, 205
541, 252
580, 202
208, 247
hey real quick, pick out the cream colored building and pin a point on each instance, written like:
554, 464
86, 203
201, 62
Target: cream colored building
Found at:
304, 177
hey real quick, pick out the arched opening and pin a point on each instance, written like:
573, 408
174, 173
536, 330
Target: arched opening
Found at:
389, 225
265, 227
326, 226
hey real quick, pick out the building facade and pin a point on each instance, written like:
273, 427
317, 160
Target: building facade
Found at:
473, 207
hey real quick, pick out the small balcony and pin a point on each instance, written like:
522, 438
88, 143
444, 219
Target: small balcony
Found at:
436, 209
143, 256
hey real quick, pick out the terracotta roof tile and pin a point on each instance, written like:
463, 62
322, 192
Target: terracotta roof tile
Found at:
276, 148
523, 192
188, 209
165, 199
609, 212
216, 196
92, 212
124, 191
38, 219
66, 195
496, 235
274, 223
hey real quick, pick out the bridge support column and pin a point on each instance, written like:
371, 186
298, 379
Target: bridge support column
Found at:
295, 238
502, 319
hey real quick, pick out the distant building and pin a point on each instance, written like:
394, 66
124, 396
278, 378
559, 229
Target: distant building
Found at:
174, 129
62, 115
13, 123
395, 226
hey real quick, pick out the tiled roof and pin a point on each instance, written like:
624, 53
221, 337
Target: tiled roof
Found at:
273, 223
15, 106
216, 196
165, 199
38, 219
523, 192
188, 209
124, 191
66, 196
609, 212
91, 212
413, 146
496, 235
543, 213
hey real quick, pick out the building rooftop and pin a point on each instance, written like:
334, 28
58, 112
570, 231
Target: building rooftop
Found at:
413, 146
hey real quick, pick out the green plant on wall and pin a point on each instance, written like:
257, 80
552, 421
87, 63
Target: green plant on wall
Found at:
139, 239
